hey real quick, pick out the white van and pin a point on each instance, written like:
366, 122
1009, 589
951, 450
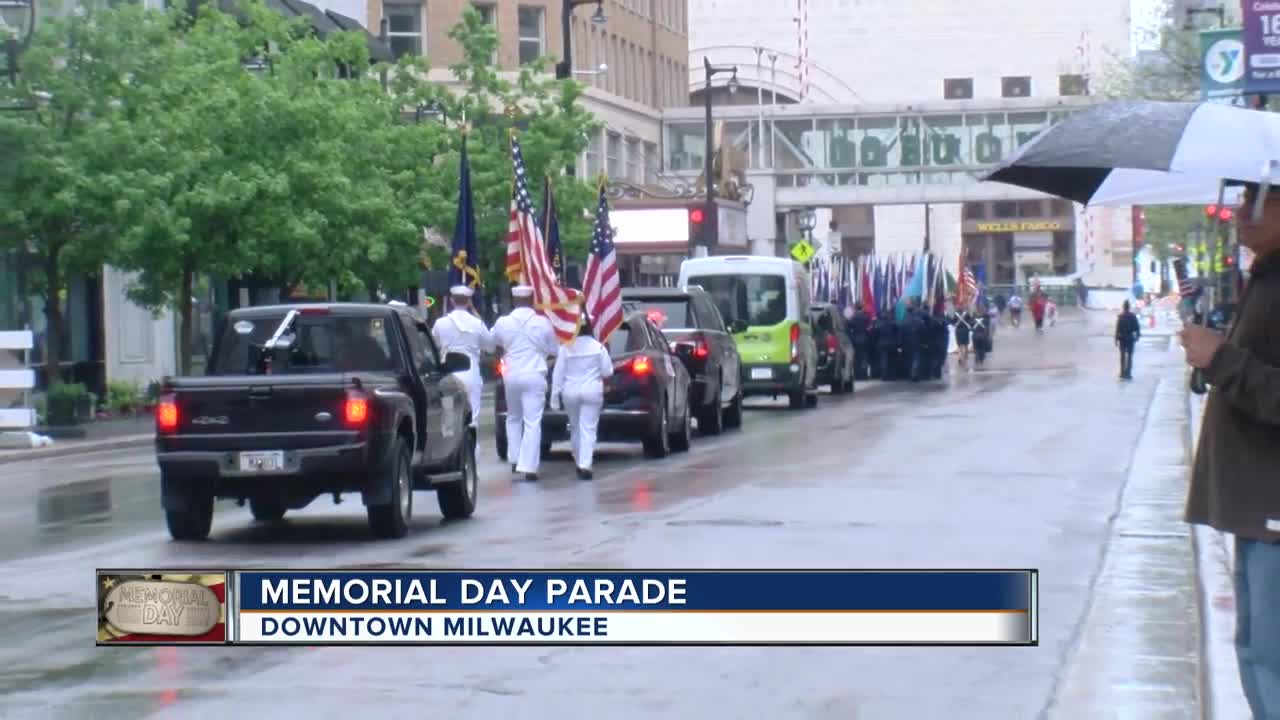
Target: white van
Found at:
771, 295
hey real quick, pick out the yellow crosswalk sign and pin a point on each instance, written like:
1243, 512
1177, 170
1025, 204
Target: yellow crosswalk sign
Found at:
803, 251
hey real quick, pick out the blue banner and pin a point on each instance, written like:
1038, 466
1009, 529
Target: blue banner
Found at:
674, 590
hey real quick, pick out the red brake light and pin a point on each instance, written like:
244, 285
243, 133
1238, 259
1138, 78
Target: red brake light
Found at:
832, 344
657, 317
355, 411
701, 350
641, 365
795, 333
695, 216
167, 414
795, 342
502, 367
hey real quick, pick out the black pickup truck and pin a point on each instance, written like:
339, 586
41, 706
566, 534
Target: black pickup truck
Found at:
301, 401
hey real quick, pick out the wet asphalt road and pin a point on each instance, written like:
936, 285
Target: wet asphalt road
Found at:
1020, 465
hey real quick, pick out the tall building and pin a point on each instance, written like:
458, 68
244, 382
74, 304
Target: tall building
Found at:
884, 114
633, 60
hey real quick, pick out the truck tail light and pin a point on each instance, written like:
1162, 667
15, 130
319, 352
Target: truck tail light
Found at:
167, 414
701, 350
795, 342
355, 410
502, 367
832, 344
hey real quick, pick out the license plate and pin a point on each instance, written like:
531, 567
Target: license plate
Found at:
761, 373
271, 461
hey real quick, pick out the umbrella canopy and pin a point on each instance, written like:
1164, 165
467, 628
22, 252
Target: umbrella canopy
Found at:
1146, 153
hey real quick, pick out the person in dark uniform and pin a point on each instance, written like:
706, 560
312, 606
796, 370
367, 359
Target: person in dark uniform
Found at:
1128, 330
914, 341
963, 323
887, 342
859, 334
981, 340
941, 343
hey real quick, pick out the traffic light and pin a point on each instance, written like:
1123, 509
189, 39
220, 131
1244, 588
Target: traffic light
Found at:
1228, 261
697, 226
1220, 212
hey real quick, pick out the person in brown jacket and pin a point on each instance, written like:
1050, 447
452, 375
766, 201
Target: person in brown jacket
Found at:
1235, 478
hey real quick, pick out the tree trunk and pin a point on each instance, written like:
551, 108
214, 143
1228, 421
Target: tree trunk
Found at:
184, 312
55, 325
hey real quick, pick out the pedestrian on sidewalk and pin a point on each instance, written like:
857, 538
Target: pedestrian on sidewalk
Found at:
1038, 306
1233, 480
1128, 330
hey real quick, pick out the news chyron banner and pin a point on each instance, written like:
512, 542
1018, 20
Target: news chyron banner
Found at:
606, 607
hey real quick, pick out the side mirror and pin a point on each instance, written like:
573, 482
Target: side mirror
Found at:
737, 326
456, 362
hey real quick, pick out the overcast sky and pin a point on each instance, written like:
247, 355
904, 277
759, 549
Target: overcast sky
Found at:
1145, 14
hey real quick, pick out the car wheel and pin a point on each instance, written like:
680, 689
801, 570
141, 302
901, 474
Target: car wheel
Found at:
733, 416
711, 419
194, 522
796, 399
266, 510
658, 444
683, 439
392, 520
458, 499
811, 399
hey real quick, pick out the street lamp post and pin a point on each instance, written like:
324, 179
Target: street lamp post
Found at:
17, 24
732, 85
564, 68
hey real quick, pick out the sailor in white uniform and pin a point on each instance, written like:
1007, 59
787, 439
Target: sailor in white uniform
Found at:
578, 382
527, 340
462, 331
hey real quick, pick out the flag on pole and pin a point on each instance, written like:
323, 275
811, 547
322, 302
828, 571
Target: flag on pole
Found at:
563, 307
600, 285
967, 288
551, 230
464, 264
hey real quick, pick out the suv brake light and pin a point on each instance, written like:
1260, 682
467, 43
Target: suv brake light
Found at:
167, 414
641, 365
502, 367
701, 350
832, 344
355, 410
795, 341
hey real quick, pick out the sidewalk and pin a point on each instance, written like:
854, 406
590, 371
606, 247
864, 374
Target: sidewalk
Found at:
1224, 697
1139, 651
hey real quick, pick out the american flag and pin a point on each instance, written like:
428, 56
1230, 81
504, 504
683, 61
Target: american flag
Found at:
562, 306
1186, 288
601, 284
967, 287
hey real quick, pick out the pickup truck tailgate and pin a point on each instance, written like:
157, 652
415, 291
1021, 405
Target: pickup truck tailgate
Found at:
261, 412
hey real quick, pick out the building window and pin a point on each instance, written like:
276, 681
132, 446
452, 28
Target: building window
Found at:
958, 89
1012, 87
975, 211
1030, 209
1073, 85
633, 161
651, 163
404, 29
1062, 208
593, 155
1005, 209
489, 14
614, 151
532, 22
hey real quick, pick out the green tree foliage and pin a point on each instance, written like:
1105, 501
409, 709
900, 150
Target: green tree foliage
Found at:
1168, 71
552, 128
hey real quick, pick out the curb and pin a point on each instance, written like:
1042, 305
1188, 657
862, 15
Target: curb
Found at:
77, 447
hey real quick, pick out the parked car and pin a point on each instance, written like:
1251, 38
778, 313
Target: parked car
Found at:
697, 334
307, 400
646, 399
835, 349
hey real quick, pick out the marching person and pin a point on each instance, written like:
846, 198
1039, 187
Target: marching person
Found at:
860, 335
1128, 330
1015, 309
1233, 477
577, 382
462, 331
964, 324
981, 341
526, 339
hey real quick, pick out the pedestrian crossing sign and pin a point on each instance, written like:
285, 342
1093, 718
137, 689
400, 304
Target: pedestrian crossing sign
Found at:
803, 251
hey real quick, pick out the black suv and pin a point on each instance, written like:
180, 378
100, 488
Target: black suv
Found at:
698, 335
835, 349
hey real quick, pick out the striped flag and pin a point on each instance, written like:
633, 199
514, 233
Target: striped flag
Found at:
967, 287
600, 283
1186, 288
562, 306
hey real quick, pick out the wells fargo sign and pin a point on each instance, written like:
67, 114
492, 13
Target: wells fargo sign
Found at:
1010, 227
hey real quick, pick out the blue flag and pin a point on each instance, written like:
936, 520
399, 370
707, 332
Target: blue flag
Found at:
464, 257
551, 231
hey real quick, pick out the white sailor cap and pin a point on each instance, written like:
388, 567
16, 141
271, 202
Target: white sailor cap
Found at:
522, 291
462, 290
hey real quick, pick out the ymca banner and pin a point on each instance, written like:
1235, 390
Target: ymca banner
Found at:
1222, 66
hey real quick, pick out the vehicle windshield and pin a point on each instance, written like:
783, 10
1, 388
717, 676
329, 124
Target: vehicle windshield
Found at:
322, 344
667, 313
760, 300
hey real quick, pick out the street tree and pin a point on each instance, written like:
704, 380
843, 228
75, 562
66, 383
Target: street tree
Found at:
59, 187
487, 104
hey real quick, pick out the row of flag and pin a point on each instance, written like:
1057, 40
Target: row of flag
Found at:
885, 284
534, 256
